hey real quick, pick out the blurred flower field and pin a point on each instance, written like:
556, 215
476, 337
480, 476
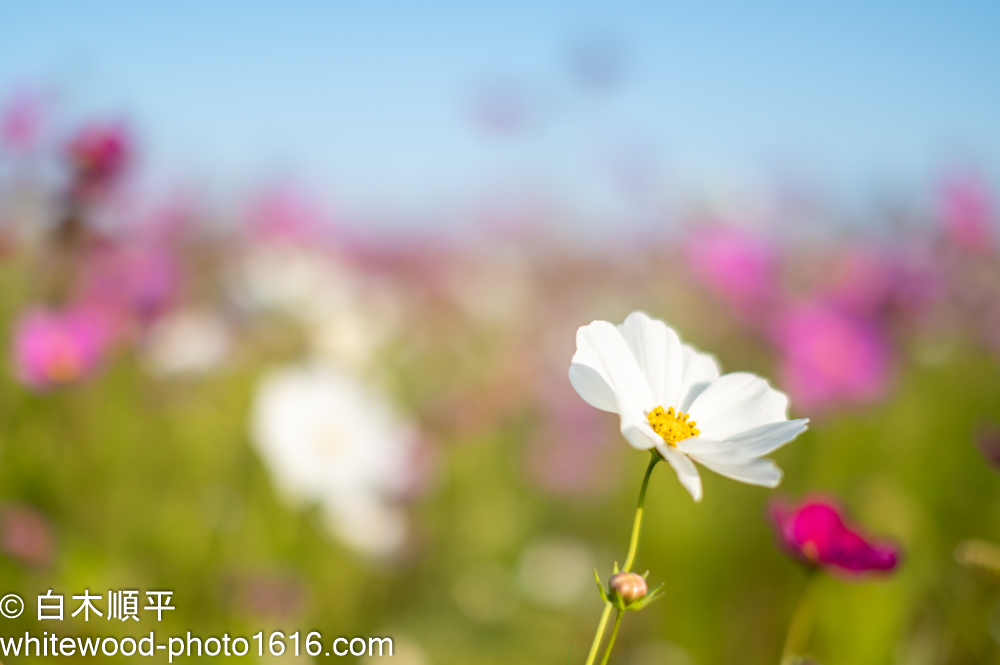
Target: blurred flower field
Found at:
297, 427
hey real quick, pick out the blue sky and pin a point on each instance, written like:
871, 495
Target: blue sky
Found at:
371, 101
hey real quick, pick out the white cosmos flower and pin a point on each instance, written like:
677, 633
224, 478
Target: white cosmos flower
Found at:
329, 439
671, 397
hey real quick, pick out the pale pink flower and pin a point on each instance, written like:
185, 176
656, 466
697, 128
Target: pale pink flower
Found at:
284, 215
967, 213
26, 535
21, 122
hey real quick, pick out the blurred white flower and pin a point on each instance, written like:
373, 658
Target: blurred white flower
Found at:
288, 279
186, 342
671, 397
330, 440
355, 332
346, 317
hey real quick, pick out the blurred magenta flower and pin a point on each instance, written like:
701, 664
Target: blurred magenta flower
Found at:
54, 348
738, 266
827, 356
98, 154
26, 536
815, 533
132, 284
967, 212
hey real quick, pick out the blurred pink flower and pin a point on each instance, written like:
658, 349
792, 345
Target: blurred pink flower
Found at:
967, 212
25, 535
98, 154
21, 122
738, 266
828, 356
815, 533
59, 347
132, 284
284, 215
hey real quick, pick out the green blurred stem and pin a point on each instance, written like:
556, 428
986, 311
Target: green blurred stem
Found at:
633, 545
801, 623
611, 640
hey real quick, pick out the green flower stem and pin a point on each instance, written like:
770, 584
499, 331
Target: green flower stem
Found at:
633, 545
599, 634
614, 634
801, 623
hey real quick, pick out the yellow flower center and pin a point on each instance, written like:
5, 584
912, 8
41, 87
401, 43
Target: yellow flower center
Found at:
672, 425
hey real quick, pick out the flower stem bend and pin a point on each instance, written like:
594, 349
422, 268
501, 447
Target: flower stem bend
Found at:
629, 558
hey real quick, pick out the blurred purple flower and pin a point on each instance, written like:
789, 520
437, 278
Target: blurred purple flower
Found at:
967, 212
815, 533
738, 266
98, 154
828, 356
54, 348
25, 535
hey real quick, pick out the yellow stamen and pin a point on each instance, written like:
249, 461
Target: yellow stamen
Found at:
672, 425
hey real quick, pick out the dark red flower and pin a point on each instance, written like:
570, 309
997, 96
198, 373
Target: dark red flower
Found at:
815, 533
98, 155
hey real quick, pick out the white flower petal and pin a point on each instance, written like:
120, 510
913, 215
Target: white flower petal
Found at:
735, 403
687, 472
637, 431
700, 369
658, 354
592, 387
756, 442
601, 347
759, 471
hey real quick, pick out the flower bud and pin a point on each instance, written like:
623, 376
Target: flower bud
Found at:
629, 586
